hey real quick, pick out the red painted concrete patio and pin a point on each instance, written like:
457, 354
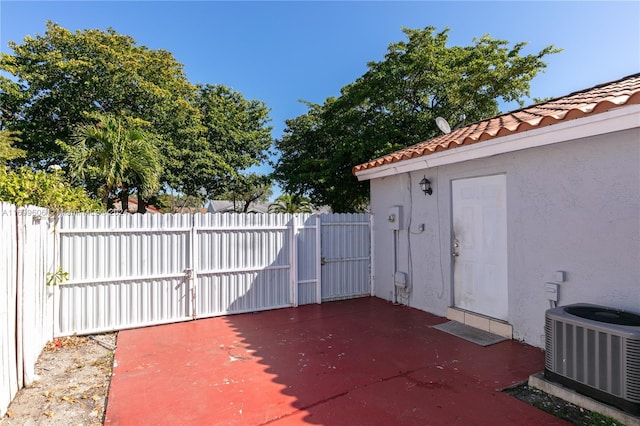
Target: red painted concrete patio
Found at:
354, 362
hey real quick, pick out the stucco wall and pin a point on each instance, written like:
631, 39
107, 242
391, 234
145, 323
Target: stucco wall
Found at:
572, 206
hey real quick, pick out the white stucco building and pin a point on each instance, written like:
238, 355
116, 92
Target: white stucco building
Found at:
539, 200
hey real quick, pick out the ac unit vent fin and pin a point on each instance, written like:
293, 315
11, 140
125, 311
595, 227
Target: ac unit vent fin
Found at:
633, 370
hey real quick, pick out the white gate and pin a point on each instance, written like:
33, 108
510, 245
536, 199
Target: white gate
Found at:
125, 271
136, 270
243, 263
346, 256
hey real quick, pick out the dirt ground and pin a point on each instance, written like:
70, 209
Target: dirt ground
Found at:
74, 376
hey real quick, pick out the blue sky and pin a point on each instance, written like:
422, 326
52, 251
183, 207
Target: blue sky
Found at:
280, 52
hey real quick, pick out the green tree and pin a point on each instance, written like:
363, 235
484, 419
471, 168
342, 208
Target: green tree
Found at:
25, 186
394, 105
7, 151
60, 78
57, 81
236, 135
113, 158
247, 189
291, 203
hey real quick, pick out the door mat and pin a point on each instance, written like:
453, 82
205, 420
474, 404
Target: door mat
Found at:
474, 335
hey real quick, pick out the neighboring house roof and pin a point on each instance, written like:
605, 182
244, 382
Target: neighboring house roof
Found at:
594, 100
133, 206
150, 209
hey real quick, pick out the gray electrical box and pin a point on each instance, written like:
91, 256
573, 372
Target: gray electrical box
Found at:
551, 290
395, 218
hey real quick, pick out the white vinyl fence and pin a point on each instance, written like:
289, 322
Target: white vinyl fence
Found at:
27, 254
135, 270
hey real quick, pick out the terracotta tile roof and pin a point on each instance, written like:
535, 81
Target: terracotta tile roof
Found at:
597, 99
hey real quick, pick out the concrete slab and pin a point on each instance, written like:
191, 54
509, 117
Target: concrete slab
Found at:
362, 361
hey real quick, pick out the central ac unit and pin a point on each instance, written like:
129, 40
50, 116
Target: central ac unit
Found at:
595, 350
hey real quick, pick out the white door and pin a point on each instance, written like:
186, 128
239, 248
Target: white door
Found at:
480, 245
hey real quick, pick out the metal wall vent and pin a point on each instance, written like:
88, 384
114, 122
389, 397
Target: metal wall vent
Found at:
595, 350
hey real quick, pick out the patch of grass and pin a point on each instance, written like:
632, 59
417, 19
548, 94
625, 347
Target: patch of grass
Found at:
601, 419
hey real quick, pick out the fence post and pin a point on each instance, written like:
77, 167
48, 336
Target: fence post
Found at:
372, 275
193, 275
20, 289
8, 307
57, 241
318, 259
293, 260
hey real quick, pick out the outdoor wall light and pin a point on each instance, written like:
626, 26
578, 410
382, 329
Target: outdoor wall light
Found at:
425, 185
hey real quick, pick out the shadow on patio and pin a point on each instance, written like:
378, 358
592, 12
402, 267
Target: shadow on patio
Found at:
353, 362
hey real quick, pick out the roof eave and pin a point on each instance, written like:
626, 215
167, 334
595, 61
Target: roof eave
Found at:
617, 119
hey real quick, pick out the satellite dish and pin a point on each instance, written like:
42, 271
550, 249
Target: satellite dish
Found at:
443, 125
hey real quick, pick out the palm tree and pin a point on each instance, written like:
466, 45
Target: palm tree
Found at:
115, 158
291, 203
